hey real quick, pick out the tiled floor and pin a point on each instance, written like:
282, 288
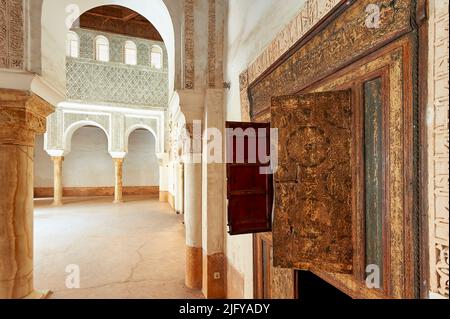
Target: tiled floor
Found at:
130, 250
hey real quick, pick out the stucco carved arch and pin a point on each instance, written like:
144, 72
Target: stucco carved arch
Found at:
71, 129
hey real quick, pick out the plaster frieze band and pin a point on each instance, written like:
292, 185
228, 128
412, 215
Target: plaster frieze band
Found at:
11, 34
189, 68
212, 44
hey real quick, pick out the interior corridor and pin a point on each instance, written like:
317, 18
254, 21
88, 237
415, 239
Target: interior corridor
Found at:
132, 250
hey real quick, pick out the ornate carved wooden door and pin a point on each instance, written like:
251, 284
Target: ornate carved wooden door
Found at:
313, 184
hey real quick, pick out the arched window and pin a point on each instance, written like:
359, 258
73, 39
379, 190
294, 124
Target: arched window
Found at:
130, 53
157, 57
72, 45
101, 49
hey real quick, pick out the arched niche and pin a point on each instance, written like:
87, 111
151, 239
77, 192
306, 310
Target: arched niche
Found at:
58, 15
133, 128
71, 129
141, 165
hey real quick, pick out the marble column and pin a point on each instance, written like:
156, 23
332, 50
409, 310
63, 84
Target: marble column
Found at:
57, 180
193, 223
213, 212
22, 116
118, 189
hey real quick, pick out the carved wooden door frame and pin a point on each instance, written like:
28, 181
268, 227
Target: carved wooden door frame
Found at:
411, 41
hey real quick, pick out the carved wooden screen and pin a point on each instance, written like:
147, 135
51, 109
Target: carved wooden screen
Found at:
250, 190
313, 183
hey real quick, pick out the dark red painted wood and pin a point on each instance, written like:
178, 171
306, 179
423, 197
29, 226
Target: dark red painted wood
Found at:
250, 193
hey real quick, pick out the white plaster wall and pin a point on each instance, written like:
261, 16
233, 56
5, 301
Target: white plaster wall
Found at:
163, 178
43, 165
88, 164
171, 177
251, 26
141, 167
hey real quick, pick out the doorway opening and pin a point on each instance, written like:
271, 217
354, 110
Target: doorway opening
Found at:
311, 288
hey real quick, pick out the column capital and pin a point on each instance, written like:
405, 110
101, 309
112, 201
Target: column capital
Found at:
163, 156
118, 155
56, 153
58, 158
119, 160
22, 115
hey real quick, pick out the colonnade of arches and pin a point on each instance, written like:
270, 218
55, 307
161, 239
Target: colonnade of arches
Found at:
87, 164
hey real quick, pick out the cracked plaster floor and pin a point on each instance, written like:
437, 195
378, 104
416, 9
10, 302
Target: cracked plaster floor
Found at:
131, 250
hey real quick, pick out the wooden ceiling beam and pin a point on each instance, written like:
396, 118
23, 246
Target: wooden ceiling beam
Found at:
130, 16
120, 21
100, 15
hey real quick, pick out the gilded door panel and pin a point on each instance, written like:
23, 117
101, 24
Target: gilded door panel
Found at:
313, 183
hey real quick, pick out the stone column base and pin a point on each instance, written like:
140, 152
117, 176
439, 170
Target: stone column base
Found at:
39, 294
164, 197
194, 268
214, 280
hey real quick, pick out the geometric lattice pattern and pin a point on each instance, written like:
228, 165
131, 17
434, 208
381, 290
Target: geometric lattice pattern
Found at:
114, 82
89, 81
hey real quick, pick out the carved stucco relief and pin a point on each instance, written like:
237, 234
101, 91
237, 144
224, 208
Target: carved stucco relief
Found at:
438, 188
307, 64
139, 85
116, 125
189, 68
212, 44
311, 14
11, 34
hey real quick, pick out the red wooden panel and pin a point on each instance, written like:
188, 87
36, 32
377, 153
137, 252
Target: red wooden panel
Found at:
250, 193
